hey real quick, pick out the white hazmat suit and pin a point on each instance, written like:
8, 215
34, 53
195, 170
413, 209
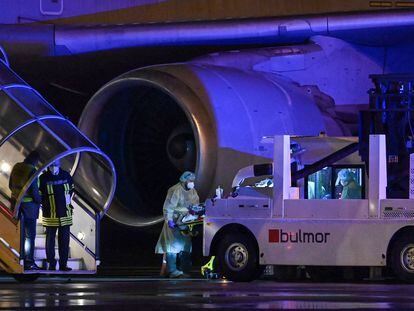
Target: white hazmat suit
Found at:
176, 204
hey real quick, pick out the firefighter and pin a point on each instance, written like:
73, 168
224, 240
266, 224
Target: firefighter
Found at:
56, 187
30, 204
171, 242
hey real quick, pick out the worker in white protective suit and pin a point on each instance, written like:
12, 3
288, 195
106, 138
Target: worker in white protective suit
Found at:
171, 242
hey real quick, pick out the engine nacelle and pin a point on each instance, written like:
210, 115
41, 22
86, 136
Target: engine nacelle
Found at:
158, 121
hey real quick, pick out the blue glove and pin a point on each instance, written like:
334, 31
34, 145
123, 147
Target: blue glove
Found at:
171, 224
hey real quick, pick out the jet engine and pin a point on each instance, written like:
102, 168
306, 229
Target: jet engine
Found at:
158, 121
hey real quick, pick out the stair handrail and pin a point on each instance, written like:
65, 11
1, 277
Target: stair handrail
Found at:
8, 214
22, 239
96, 216
58, 157
5, 58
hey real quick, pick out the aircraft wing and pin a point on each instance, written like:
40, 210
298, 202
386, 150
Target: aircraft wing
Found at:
369, 28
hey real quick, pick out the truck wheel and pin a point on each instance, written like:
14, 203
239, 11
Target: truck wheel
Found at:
238, 258
402, 259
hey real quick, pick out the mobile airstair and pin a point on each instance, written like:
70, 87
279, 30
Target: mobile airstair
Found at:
28, 122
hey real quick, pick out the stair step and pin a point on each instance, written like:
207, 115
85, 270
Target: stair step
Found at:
74, 263
59, 272
40, 229
40, 252
40, 241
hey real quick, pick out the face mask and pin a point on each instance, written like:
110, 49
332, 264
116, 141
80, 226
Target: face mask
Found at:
344, 182
54, 170
190, 185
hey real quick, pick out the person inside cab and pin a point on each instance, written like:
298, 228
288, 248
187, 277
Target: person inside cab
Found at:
176, 246
350, 188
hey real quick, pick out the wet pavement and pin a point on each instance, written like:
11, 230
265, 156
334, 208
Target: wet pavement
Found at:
162, 294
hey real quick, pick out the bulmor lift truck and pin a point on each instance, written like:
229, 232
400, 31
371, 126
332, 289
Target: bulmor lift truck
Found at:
313, 224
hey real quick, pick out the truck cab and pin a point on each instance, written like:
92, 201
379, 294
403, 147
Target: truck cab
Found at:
328, 210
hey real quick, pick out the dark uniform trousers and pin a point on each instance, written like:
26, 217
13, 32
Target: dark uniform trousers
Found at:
63, 243
30, 210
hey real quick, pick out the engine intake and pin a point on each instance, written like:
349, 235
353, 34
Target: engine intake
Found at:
158, 121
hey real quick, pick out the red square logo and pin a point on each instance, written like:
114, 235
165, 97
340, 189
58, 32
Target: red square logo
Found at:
274, 236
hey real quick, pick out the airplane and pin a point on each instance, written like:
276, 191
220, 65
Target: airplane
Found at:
168, 86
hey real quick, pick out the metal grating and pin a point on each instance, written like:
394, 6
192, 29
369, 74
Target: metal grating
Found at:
398, 214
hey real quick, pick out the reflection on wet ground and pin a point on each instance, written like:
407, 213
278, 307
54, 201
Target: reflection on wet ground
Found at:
163, 294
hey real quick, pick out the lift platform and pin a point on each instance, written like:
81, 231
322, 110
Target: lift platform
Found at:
27, 123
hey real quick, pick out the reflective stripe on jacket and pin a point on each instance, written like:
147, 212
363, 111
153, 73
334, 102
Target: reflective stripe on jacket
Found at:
54, 189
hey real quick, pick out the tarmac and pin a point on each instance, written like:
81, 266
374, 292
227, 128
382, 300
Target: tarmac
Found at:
155, 293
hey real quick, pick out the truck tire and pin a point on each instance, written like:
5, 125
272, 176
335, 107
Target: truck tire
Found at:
238, 258
402, 258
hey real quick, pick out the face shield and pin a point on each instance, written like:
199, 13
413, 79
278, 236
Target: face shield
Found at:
54, 167
344, 177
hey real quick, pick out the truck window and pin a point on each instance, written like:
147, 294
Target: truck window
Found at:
336, 182
348, 183
319, 184
256, 186
258, 182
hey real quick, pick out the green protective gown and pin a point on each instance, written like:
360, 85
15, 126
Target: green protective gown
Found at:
351, 191
176, 204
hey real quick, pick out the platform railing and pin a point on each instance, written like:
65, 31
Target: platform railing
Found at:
85, 232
